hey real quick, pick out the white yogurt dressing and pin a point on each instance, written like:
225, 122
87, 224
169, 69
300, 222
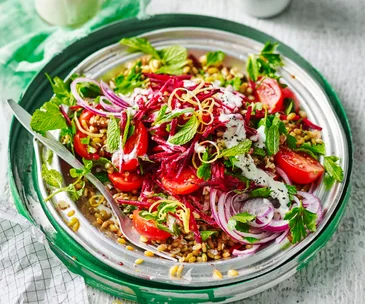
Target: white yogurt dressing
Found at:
262, 137
235, 134
199, 148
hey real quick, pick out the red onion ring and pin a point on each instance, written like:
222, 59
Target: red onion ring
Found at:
252, 250
312, 203
109, 93
283, 175
85, 104
107, 105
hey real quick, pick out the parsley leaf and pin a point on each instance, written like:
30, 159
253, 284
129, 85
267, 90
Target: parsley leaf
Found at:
48, 117
215, 58
260, 192
206, 234
241, 148
242, 218
140, 44
292, 190
186, 133
102, 176
204, 170
258, 151
251, 239
332, 168
113, 134
300, 220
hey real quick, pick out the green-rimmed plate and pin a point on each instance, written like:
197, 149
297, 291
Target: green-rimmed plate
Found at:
196, 33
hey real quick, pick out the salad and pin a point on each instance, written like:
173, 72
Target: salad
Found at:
209, 161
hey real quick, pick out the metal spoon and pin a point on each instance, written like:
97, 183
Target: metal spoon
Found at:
125, 223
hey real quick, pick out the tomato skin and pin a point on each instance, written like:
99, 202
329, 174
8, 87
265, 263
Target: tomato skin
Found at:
139, 139
269, 92
288, 93
187, 182
148, 228
126, 181
300, 167
81, 149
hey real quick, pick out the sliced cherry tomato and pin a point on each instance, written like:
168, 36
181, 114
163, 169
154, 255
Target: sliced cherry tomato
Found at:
148, 228
126, 181
138, 141
300, 167
187, 182
86, 116
288, 93
81, 149
269, 92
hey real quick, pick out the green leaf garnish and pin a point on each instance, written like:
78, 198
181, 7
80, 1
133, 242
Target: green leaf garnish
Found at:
140, 44
251, 239
206, 234
273, 139
125, 84
163, 118
291, 141
241, 148
242, 218
332, 168
260, 192
174, 55
215, 58
292, 190
48, 117
259, 151
52, 177
61, 91
186, 133
204, 170
300, 220
113, 134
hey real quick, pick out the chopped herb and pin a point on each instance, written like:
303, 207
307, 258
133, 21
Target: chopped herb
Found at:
140, 44
292, 190
102, 176
259, 151
206, 234
125, 84
291, 141
251, 239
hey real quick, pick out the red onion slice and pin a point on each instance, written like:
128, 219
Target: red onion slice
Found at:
109, 93
246, 252
312, 203
107, 105
84, 103
283, 176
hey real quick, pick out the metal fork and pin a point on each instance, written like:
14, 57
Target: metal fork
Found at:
125, 223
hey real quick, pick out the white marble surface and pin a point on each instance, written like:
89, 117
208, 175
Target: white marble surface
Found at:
330, 35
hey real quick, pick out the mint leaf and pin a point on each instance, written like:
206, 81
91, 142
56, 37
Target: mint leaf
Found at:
102, 176
160, 114
289, 104
174, 55
243, 218
206, 234
318, 148
173, 69
260, 192
332, 168
204, 170
328, 182
269, 47
291, 141
186, 133
300, 220
252, 67
242, 148
52, 177
113, 135
273, 139
215, 58
140, 44
126, 128
160, 119
309, 152
48, 117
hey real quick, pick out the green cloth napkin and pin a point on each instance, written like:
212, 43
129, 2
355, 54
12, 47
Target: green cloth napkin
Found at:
27, 43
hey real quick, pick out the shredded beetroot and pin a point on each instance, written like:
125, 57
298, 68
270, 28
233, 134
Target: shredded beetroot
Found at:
134, 203
248, 115
310, 124
192, 223
64, 114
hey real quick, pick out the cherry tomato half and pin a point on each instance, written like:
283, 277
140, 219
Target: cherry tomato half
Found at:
187, 182
126, 181
288, 93
148, 228
138, 141
86, 116
81, 149
300, 167
269, 92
